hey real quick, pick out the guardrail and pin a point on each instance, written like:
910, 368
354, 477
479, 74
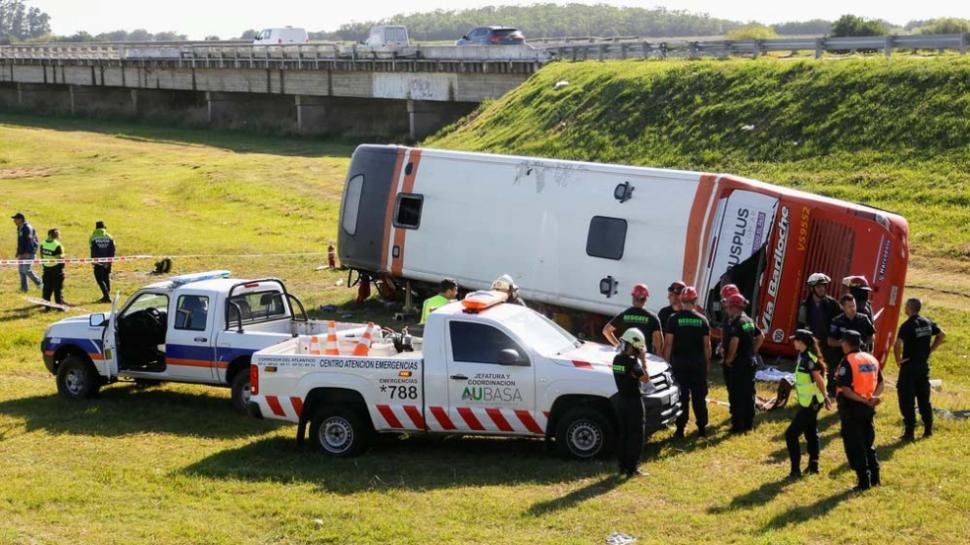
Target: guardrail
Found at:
755, 48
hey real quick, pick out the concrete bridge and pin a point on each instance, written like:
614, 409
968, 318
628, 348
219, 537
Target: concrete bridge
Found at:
308, 89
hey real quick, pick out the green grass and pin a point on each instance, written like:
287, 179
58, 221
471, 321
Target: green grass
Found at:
173, 464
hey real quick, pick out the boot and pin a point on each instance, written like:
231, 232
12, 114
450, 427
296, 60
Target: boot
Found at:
863, 481
679, 434
701, 431
927, 430
812, 468
795, 472
874, 477
908, 435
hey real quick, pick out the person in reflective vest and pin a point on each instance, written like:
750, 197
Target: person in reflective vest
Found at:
860, 386
810, 390
53, 276
447, 291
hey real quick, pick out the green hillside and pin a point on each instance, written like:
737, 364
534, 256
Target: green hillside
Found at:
891, 133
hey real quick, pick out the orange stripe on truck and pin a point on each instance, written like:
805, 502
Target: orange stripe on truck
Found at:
696, 228
400, 235
389, 210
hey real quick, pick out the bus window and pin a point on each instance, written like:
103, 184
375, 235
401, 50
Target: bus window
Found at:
606, 237
352, 195
407, 213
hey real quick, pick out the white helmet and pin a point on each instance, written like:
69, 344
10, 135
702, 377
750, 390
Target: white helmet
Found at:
504, 283
635, 338
818, 278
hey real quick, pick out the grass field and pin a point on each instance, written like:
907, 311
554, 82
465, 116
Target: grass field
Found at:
174, 464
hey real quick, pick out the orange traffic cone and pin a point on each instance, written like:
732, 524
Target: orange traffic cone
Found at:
314, 345
333, 349
363, 347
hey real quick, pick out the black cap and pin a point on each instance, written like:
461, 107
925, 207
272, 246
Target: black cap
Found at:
17, 216
852, 337
803, 335
676, 287
99, 224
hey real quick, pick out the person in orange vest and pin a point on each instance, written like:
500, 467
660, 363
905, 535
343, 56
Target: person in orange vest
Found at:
859, 386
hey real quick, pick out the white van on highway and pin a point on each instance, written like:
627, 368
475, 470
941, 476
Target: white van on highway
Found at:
281, 36
388, 36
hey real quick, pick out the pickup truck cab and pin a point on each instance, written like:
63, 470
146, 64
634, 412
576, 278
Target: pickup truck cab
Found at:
198, 328
505, 370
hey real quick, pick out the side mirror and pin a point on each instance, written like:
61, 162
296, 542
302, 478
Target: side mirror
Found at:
511, 356
465, 37
97, 320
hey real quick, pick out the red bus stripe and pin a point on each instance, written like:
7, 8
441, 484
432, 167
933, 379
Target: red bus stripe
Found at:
469, 417
695, 235
442, 417
274, 405
500, 421
297, 405
415, 415
400, 235
527, 421
388, 415
389, 211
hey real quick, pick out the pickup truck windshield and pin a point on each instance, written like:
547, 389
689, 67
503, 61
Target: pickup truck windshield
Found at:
541, 333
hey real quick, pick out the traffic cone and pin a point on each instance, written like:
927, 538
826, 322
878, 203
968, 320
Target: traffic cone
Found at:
333, 349
363, 347
315, 345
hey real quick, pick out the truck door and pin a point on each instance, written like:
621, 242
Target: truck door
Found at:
108, 367
189, 346
490, 388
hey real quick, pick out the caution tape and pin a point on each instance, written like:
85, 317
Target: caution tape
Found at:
117, 259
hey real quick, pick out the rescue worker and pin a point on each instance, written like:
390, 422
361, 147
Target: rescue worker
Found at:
628, 401
859, 387
102, 245
506, 284
816, 314
673, 300
639, 317
858, 286
810, 391
447, 292
850, 319
53, 272
743, 340
918, 338
687, 346
26, 249
727, 290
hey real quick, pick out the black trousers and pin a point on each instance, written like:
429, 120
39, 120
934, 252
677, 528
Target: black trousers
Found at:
102, 275
53, 283
692, 379
741, 395
858, 436
630, 424
913, 387
833, 356
804, 423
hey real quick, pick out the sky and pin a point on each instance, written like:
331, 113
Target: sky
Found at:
228, 18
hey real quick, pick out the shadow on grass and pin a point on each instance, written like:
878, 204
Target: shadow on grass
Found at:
883, 454
128, 410
577, 496
813, 511
825, 423
759, 496
233, 140
398, 463
21, 313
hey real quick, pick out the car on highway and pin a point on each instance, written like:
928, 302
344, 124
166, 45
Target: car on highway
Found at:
281, 36
492, 35
388, 36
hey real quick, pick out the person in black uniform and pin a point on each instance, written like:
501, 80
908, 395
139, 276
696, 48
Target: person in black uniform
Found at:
743, 342
687, 347
850, 319
860, 385
673, 298
816, 314
727, 290
918, 338
859, 288
628, 401
639, 317
810, 392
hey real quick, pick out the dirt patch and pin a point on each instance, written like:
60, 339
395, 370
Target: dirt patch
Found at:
26, 172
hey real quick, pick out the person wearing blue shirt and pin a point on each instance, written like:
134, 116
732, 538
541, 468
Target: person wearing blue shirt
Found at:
27, 246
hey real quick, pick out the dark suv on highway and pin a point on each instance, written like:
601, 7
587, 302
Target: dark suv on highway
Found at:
492, 35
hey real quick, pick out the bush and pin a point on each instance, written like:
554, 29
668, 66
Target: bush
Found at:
852, 25
945, 25
752, 31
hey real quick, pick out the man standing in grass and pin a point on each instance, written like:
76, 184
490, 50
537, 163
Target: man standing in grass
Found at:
628, 401
51, 249
26, 249
687, 347
639, 317
860, 385
918, 338
447, 291
102, 245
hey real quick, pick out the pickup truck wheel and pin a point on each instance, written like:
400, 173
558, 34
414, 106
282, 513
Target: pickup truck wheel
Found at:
584, 433
241, 392
339, 431
77, 379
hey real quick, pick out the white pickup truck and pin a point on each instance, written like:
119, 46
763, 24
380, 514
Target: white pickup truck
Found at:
505, 370
198, 328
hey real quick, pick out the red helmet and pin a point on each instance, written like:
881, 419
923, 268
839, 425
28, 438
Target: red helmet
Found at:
728, 290
735, 300
676, 287
688, 295
640, 291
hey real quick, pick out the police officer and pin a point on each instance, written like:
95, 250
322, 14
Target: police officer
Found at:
53, 272
26, 250
850, 319
639, 317
743, 341
447, 292
918, 338
859, 288
687, 346
860, 385
628, 402
673, 300
102, 245
810, 391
